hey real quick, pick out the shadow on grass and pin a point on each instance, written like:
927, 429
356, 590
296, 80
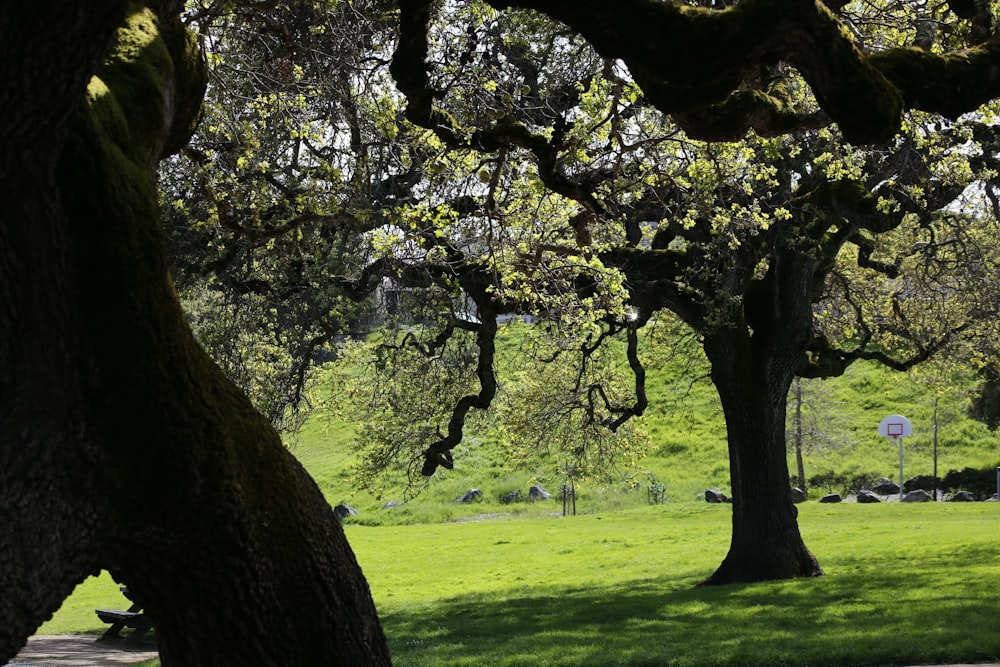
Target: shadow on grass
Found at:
923, 613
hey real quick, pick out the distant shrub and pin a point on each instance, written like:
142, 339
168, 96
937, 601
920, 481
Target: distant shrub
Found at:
981, 483
925, 482
843, 483
985, 405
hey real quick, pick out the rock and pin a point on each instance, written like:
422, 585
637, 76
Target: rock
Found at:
866, 496
392, 503
925, 482
470, 496
538, 493
831, 498
961, 497
798, 495
511, 497
343, 510
918, 496
885, 487
715, 496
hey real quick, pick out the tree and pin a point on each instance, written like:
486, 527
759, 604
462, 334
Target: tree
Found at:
124, 447
586, 174
266, 206
812, 424
748, 238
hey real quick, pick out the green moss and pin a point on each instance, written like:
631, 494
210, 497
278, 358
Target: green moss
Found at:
137, 71
105, 109
950, 84
133, 108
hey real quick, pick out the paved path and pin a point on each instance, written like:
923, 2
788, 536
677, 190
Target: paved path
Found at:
82, 651
86, 651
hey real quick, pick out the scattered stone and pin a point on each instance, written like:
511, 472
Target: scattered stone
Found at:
538, 493
798, 495
511, 497
918, 496
470, 496
961, 497
715, 496
866, 496
831, 498
925, 482
343, 510
885, 487
392, 503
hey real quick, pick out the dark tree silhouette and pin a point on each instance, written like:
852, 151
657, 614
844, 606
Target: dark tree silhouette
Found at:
122, 446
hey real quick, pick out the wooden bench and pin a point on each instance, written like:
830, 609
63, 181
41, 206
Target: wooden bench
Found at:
132, 618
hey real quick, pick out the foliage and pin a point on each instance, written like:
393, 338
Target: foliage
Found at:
538, 165
683, 425
265, 208
542, 161
980, 483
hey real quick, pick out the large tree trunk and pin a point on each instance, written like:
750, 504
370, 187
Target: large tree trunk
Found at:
753, 365
123, 446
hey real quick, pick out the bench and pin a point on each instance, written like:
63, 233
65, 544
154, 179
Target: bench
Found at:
132, 618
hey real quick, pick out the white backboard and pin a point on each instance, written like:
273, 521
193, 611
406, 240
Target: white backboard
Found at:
895, 426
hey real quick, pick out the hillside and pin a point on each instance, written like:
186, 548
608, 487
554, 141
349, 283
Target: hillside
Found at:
686, 447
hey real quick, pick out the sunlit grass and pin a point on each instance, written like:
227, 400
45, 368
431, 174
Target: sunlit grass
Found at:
617, 585
905, 584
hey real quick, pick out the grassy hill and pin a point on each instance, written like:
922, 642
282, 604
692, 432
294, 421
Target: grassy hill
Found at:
687, 445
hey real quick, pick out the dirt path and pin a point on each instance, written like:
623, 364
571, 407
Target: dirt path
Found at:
82, 651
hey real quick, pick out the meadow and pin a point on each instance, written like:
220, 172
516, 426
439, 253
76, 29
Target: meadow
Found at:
495, 584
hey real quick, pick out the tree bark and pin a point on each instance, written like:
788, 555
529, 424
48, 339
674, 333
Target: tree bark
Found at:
122, 446
753, 365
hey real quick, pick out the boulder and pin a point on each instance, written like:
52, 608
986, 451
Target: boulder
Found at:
925, 482
538, 493
511, 497
715, 496
392, 503
798, 495
831, 498
961, 497
470, 496
885, 487
866, 496
918, 496
343, 510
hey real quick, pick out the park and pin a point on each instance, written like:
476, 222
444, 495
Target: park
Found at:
519, 583
304, 305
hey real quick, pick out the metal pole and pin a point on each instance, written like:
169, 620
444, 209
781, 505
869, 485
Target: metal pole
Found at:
900, 439
998, 483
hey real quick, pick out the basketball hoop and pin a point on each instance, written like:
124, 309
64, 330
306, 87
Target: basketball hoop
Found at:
896, 427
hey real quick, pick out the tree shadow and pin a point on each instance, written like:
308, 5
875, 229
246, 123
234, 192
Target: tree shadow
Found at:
915, 614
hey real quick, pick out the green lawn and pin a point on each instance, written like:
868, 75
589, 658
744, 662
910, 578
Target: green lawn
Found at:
617, 585
906, 584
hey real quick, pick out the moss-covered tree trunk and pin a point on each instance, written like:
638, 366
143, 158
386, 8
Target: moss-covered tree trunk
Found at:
753, 365
122, 446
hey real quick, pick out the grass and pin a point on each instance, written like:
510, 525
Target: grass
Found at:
617, 585
905, 584
76, 616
